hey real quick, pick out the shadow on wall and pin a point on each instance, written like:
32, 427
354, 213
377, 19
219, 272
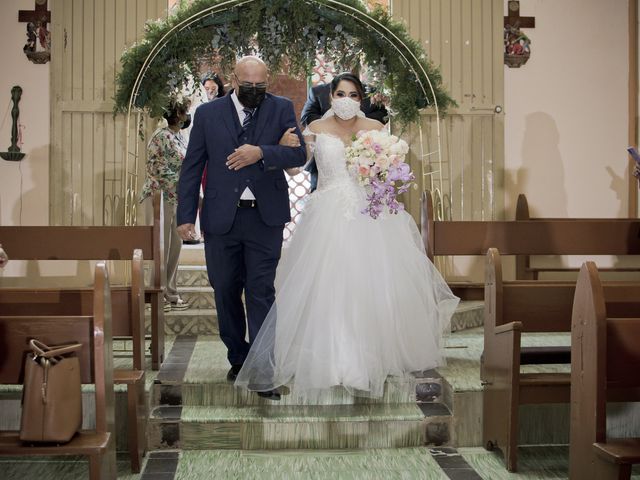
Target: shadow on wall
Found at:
29, 196
31, 199
541, 177
620, 186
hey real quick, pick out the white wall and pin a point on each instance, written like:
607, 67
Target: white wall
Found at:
566, 111
24, 185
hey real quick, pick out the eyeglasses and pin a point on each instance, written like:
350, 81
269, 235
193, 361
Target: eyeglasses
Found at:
249, 84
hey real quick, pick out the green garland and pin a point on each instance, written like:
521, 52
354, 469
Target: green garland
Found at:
295, 30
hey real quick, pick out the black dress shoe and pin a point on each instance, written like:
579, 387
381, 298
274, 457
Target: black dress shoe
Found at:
233, 373
270, 395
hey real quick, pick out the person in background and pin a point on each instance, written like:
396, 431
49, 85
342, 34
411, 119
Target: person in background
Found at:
213, 86
165, 153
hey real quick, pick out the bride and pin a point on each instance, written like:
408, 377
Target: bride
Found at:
357, 299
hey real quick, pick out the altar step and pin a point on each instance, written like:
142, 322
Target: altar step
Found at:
201, 318
195, 407
369, 464
277, 427
195, 374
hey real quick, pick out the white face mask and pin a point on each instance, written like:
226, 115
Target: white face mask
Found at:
345, 108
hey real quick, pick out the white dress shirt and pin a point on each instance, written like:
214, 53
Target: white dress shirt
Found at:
247, 194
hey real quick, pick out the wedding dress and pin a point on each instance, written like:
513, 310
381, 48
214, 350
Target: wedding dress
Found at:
357, 299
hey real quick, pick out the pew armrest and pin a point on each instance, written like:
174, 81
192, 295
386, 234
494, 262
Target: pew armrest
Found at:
619, 450
127, 377
500, 362
508, 327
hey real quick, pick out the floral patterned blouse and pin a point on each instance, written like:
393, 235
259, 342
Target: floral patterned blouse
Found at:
165, 153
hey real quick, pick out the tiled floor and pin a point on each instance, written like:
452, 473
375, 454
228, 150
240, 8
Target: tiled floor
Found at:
207, 366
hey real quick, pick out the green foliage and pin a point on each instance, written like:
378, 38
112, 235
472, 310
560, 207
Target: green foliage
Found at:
287, 33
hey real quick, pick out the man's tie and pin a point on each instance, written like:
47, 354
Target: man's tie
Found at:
248, 116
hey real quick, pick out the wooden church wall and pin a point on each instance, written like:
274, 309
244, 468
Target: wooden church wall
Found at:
464, 37
87, 141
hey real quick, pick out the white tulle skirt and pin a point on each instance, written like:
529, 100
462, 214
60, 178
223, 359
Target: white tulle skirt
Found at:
356, 300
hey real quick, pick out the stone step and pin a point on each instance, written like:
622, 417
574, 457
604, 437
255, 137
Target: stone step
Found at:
277, 427
193, 321
192, 254
366, 464
201, 318
198, 297
203, 382
222, 393
194, 286
192, 276
469, 314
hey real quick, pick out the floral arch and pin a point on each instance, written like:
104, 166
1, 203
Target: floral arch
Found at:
287, 33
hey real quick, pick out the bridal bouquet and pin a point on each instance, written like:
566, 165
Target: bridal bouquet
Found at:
377, 159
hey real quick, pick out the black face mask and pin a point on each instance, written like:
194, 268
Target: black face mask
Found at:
251, 97
187, 122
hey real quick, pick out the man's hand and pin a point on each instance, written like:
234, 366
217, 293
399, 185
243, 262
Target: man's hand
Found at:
187, 231
289, 138
244, 156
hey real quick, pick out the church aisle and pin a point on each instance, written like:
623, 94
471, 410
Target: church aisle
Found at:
194, 391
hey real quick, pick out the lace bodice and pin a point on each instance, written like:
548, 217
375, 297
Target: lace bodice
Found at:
329, 153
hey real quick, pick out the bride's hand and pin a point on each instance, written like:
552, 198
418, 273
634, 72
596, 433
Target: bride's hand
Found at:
290, 139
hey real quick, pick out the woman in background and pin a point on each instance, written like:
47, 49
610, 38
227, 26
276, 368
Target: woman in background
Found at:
165, 153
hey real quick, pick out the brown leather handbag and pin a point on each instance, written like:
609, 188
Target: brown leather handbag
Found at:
51, 394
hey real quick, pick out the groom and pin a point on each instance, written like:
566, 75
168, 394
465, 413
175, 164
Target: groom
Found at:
246, 200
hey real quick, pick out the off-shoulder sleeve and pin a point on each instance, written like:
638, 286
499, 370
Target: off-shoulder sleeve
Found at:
309, 139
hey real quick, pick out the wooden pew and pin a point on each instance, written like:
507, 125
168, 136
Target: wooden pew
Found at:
539, 237
127, 312
512, 308
524, 269
605, 341
96, 363
100, 243
548, 305
526, 237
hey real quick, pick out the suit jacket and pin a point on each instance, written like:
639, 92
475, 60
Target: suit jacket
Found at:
216, 133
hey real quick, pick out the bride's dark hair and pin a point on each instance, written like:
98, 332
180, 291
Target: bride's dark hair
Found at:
349, 77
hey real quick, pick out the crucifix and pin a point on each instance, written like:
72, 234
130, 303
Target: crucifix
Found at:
517, 46
38, 46
515, 20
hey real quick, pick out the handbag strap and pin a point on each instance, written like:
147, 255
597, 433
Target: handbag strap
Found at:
42, 350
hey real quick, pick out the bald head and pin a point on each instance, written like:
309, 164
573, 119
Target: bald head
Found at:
251, 69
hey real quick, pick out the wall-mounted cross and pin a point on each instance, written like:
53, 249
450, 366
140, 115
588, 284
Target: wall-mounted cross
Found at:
515, 20
36, 15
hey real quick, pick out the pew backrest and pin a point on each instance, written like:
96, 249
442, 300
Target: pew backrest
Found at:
127, 305
89, 243
93, 331
605, 361
533, 237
